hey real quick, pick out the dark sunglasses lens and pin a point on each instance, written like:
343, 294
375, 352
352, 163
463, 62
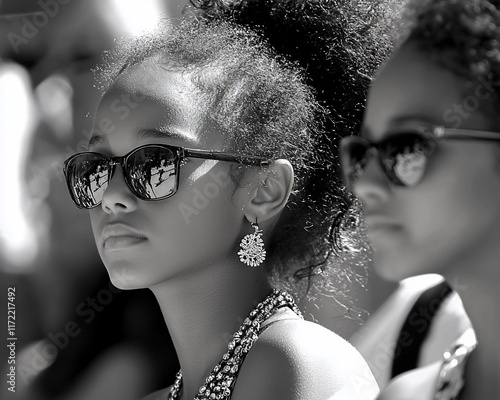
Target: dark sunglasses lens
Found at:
404, 157
152, 172
87, 177
353, 157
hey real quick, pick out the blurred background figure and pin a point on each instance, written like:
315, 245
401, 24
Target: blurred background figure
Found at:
78, 336
426, 167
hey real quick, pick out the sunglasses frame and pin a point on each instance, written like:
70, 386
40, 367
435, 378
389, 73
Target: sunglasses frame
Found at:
433, 134
180, 154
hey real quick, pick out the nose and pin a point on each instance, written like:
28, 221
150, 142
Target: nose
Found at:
118, 198
372, 187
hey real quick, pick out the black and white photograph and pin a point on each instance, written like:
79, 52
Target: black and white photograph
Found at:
250, 199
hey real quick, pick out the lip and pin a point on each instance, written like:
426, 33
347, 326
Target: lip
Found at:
118, 236
377, 222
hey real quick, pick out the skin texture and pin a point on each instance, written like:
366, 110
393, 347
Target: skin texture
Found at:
447, 224
285, 364
192, 267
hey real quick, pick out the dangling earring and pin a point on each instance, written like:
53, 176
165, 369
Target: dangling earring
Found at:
252, 251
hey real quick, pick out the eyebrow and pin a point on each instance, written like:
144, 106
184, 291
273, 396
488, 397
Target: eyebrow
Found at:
405, 119
156, 134
401, 120
147, 134
95, 140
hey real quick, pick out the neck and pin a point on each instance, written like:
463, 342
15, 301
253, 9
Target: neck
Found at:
203, 310
482, 263
475, 277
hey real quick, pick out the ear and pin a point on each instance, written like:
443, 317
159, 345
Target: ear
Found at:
271, 189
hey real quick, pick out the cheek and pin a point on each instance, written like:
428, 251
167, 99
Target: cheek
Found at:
98, 219
202, 219
438, 212
465, 191
454, 206
95, 221
206, 197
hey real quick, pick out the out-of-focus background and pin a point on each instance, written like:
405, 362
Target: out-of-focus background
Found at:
78, 337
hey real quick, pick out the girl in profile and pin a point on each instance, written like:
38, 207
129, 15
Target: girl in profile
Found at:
427, 169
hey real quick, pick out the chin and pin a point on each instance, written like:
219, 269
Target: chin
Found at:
395, 267
124, 278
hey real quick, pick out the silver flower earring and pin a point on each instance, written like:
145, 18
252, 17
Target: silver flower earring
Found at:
252, 251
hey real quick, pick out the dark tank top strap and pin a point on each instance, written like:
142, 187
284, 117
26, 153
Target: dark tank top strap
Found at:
416, 327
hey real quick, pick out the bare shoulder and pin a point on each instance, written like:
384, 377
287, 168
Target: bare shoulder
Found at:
416, 384
296, 359
481, 381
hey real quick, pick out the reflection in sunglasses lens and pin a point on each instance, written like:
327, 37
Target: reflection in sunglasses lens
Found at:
89, 179
402, 156
405, 158
151, 172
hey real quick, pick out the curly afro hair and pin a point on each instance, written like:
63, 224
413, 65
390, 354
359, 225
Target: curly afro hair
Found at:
339, 44
461, 36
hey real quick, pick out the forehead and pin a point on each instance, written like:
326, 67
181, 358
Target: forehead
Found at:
413, 88
156, 84
148, 96
154, 78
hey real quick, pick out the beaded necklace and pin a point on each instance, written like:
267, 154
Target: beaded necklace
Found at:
220, 383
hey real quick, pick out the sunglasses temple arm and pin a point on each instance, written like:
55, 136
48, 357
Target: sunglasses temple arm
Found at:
465, 134
218, 156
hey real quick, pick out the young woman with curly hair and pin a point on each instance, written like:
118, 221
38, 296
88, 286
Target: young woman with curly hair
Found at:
206, 176
427, 169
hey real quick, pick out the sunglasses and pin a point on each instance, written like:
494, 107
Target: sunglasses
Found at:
403, 155
151, 172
